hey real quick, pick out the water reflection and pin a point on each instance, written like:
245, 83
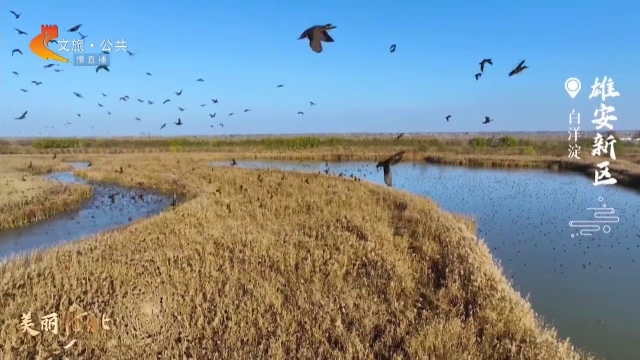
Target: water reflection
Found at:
110, 207
587, 286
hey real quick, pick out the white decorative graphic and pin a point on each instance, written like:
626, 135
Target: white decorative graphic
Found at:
602, 215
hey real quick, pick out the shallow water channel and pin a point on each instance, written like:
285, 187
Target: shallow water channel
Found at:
587, 286
110, 207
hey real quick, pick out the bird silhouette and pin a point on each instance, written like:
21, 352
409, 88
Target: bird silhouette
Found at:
230, 114
15, 73
212, 115
448, 118
487, 120
316, 35
312, 103
129, 52
99, 104
15, 14
138, 119
300, 113
478, 75
181, 109
149, 74
20, 32
215, 101
163, 125
16, 51
149, 102
233, 162
392, 48
140, 101
221, 125
37, 83
75, 28
124, 98
483, 63
103, 67
399, 136
179, 122
104, 95
386, 166
178, 92
78, 95
23, 90
203, 105
23, 116
79, 115
108, 112
200, 80
247, 110
520, 68
82, 37
166, 101
57, 70
49, 66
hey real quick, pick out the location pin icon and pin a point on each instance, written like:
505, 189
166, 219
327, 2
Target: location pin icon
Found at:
572, 85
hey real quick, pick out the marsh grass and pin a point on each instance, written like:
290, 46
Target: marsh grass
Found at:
26, 197
277, 265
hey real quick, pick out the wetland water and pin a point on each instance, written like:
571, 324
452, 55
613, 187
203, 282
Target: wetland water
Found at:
110, 207
588, 287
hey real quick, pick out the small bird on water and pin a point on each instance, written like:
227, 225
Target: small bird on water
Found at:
386, 166
316, 35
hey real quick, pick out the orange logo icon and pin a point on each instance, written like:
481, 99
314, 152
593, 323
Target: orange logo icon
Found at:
40, 44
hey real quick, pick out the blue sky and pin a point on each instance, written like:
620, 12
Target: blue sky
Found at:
244, 49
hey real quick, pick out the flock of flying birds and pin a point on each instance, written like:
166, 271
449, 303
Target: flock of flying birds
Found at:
316, 35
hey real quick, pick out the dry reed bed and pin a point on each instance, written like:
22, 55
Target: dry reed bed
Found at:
278, 265
27, 197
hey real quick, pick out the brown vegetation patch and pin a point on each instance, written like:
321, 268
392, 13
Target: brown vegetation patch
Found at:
267, 264
26, 196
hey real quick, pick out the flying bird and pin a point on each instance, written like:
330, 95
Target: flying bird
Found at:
312, 103
179, 122
20, 32
16, 51
82, 37
99, 104
316, 35
212, 115
37, 83
49, 65
386, 166
163, 125
166, 101
215, 101
181, 109
138, 119
103, 94
279, 86
478, 75
230, 114
300, 113
75, 28
78, 95
129, 52
124, 98
108, 112
203, 105
23, 116
140, 101
179, 92
487, 120
247, 110
392, 48
221, 125
199, 80
79, 115
150, 102
483, 63
448, 118
15, 14
520, 68
15, 73
57, 70
103, 67
23, 90
149, 74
